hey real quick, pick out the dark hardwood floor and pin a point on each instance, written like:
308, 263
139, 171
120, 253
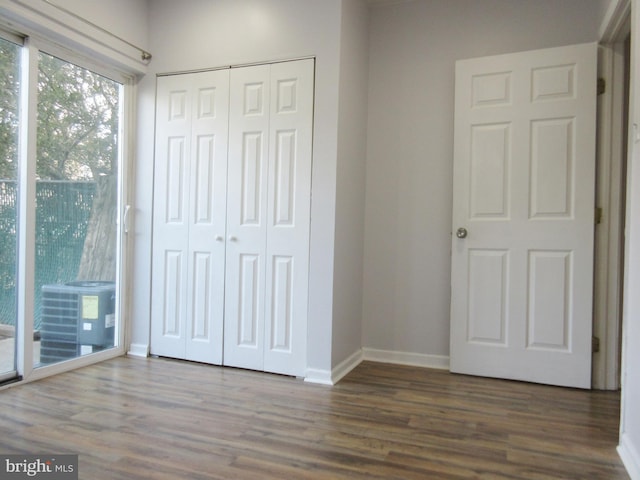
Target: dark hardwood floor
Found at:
162, 419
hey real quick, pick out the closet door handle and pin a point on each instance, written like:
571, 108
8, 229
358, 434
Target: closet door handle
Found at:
233, 239
219, 238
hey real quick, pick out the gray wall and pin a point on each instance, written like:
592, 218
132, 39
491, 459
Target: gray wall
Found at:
413, 49
350, 181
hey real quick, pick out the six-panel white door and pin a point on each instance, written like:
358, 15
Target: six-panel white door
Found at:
189, 218
268, 217
523, 216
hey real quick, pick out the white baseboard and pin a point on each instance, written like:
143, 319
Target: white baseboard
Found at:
326, 377
346, 366
630, 457
321, 377
440, 362
138, 350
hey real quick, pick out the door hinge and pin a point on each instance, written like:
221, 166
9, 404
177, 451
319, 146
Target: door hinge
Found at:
598, 216
602, 86
595, 344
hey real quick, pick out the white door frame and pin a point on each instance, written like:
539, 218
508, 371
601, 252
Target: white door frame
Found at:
610, 181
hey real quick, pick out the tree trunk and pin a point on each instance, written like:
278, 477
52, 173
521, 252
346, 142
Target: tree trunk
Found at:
98, 260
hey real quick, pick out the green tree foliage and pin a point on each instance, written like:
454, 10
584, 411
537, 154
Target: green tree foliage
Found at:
9, 96
77, 119
77, 122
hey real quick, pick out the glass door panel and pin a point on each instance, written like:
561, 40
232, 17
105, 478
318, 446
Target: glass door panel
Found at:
9, 113
76, 244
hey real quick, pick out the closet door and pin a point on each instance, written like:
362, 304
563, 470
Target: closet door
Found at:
189, 216
288, 217
268, 217
247, 217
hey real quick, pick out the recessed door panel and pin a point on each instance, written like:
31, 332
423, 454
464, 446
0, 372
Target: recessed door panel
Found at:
556, 82
490, 159
200, 298
207, 102
175, 177
177, 110
285, 163
281, 304
552, 163
549, 315
172, 312
204, 179
491, 89
287, 96
254, 98
249, 300
488, 293
244, 310
252, 167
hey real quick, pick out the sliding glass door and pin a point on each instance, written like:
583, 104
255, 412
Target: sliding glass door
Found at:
76, 246
61, 194
9, 122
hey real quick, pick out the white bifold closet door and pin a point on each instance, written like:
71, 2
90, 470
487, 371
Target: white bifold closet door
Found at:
266, 190
268, 216
189, 216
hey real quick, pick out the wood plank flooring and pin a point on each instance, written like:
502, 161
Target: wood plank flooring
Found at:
162, 419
